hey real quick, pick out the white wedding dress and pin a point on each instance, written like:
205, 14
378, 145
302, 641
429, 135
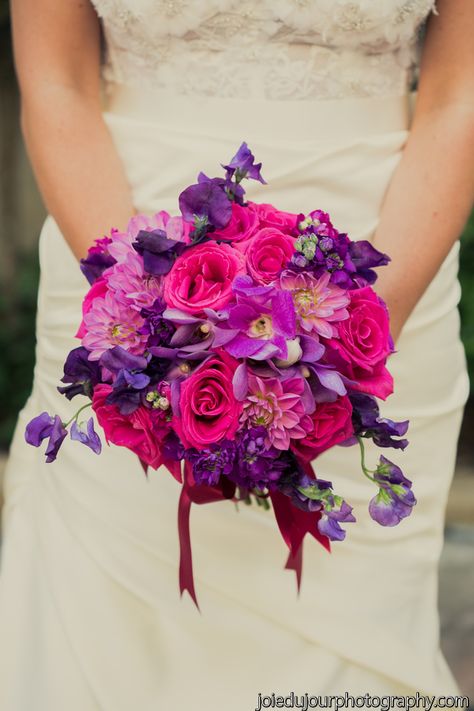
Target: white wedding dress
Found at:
90, 613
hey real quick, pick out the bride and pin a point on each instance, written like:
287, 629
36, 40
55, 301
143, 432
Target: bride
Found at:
122, 103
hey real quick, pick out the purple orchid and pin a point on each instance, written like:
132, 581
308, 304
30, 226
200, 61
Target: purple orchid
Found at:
323, 382
81, 373
193, 333
395, 499
243, 166
46, 427
87, 435
368, 423
158, 251
259, 325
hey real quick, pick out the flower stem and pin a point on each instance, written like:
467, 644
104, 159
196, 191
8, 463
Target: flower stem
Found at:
367, 472
74, 417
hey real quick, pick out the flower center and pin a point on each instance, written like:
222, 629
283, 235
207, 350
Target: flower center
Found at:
262, 327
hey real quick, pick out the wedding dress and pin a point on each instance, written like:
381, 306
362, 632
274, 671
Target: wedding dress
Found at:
90, 613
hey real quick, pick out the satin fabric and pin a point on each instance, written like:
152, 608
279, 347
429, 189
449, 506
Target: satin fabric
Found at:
90, 613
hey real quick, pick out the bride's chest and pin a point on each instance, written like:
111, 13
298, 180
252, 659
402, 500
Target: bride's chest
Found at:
372, 24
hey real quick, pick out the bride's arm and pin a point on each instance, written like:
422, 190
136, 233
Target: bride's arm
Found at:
80, 175
431, 193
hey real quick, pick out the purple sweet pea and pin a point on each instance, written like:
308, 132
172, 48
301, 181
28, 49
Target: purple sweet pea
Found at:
130, 380
206, 205
46, 427
243, 166
158, 252
97, 261
368, 423
365, 257
335, 512
87, 435
82, 374
395, 499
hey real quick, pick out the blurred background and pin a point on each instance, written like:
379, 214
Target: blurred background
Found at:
21, 216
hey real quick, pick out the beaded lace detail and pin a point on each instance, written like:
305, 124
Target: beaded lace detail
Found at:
272, 49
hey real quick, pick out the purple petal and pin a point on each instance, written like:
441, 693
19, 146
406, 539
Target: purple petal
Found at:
240, 382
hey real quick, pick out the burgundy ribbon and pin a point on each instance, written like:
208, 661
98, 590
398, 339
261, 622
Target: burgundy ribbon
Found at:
199, 494
293, 523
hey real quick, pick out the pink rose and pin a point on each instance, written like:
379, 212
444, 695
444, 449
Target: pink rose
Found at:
209, 411
267, 253
269, 216
332, 424
242, 225
364, 344
98, 290
202, 277
142, 431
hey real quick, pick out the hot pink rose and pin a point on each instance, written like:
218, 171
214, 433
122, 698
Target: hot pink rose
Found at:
142, 431
269, 216
202, 277
97, 290
209, 411
267, 253
364, 344
332, 424
242, 225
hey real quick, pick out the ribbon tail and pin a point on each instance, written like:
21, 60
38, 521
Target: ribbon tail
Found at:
186, 577
295, 562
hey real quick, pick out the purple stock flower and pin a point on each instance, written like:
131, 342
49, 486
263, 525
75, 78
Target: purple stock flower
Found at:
257, 465
159, 329
98, 260
87, 435
395, 499
82, 374
206, 205
158, 252
212, 463
46, 427
243, 165
368, 423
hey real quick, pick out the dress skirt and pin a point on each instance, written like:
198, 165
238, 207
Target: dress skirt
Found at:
91, 618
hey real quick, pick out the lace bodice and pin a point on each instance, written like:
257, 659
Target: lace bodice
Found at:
273, 49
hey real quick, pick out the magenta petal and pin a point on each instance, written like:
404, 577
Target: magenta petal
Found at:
241, 316
330, 379
240, 382
243, 347
223, 336
283, 313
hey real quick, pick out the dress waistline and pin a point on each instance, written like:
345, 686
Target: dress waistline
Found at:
321, 119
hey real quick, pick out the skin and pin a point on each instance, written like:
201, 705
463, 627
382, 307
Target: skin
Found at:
57, 52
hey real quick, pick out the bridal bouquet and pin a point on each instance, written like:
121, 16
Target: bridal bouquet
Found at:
234, 344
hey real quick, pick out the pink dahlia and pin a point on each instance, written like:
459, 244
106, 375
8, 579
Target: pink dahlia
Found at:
317, 302
131, 283
111, 322
277, 405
